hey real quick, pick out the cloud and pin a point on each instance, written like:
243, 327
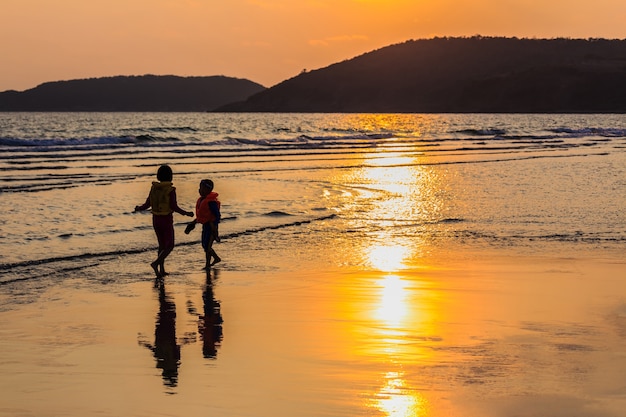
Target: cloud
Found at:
338, 39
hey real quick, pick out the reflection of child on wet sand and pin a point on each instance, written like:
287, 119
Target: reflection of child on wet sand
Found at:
210, 324
166, 349
162, 199
208, 214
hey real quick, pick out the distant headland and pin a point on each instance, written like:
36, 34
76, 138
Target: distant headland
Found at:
440, 75
461, 75
150, 93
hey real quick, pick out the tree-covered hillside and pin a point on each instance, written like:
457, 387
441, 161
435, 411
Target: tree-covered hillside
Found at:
132, 93
477, 74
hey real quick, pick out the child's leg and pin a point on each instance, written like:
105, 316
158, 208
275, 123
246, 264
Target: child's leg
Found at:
206, 233
207, 255
155, 267
158, 230
164, 228
161, 259
216, 258
159, 264
213, 254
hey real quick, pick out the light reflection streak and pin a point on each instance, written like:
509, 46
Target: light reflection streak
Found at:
394, 318
407, 193
393, 308
396, 400
402, 192
395, 195
387, 258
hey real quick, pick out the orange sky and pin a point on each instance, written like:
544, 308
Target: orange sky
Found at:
266, 41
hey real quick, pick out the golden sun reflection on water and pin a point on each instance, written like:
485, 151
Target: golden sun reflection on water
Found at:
398, 317
397, 202
399, 191
402, 314
393, 301
396, 401
399, 314
387, 258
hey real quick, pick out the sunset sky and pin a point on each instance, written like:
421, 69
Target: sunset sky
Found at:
266, 41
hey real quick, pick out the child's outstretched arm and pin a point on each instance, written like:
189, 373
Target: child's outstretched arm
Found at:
144, 206
174, 205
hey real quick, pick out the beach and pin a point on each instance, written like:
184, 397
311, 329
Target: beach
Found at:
383, 272
487, 335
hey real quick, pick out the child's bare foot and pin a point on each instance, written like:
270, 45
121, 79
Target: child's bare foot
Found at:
155, 266
216, 260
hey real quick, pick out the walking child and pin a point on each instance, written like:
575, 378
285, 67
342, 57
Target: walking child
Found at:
162, 199
208, 214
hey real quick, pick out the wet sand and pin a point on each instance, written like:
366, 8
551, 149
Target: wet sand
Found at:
481, 334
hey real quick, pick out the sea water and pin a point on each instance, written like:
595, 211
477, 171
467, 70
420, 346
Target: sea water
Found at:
70, 182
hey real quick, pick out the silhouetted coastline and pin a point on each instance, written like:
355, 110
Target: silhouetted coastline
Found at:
439, 75
461, 75
149, 93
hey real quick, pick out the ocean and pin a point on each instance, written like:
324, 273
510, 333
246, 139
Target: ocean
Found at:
391, 265
71, 180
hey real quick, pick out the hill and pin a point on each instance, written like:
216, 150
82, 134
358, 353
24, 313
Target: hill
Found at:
463, 75
131, 93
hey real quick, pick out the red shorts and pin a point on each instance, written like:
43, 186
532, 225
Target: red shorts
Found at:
164, 229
